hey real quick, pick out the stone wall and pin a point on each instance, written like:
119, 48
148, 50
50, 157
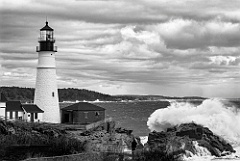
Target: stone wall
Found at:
74, 157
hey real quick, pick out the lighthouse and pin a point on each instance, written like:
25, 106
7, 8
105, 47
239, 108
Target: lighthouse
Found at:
46, 91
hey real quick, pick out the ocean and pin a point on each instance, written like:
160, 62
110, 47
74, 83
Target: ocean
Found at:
222, 116
132, 115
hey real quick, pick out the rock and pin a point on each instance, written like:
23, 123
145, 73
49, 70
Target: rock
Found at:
86, 133
225, 153
11, 130
51, 132
182, 137
122, 130
3, 127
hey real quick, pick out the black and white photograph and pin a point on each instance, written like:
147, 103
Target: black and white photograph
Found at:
119, 80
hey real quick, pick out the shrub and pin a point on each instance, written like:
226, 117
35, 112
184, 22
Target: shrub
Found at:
36, 139
156, 155
64, 145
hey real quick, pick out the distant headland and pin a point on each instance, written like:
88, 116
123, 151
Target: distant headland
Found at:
74, 94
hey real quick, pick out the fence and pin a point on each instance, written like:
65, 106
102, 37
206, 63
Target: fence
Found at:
96, 124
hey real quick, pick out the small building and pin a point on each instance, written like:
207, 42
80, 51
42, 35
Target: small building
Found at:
82, 113
14, 111
3, 101
32, 113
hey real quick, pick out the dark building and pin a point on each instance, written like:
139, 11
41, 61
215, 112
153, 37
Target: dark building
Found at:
82, 113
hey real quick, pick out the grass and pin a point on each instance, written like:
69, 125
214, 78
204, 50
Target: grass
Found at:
36, 139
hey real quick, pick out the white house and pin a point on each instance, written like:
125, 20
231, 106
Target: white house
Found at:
3, 101
26, 112
14, 110
32, 113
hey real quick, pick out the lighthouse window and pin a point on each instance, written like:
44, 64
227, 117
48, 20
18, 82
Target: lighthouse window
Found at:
53, 94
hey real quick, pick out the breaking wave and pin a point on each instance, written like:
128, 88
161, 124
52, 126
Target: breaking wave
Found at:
220, 116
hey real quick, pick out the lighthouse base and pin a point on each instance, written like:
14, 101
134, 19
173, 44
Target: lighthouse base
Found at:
46, 94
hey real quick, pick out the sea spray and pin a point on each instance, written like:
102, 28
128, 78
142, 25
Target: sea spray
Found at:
222, 119
143, 139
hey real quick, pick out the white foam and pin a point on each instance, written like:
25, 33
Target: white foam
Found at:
218, 115
143, 139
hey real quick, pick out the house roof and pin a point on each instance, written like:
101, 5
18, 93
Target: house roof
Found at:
3, 98
14, 106
32, 108
83, 106
46, 27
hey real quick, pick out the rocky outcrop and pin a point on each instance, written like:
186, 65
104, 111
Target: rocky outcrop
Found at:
186, 138
122, 130
108, 138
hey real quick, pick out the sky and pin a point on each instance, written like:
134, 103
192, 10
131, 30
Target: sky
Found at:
161, 47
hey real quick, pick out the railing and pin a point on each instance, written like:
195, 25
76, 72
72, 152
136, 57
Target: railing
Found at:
38, 49
46, 39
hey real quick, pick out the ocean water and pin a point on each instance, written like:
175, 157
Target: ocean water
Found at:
132, 115
222, 116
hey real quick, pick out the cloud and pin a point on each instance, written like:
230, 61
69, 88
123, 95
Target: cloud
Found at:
140, 47
225, 60
187, 34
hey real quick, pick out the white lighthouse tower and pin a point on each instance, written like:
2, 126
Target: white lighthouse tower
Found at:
46, 91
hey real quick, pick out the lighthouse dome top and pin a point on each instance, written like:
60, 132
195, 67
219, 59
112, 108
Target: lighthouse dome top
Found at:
46, 27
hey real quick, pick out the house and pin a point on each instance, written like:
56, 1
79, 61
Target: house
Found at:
26, 112
3, 101
14, 111
32, 113
82, 113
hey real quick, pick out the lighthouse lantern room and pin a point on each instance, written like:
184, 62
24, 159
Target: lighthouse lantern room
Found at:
46, 91
46, 39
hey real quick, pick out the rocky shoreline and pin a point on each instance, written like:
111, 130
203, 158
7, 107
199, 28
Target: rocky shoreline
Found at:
42, 139
183, 140
190, 139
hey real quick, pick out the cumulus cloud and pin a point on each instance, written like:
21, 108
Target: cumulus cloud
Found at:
117, 47
225, 60
185, 34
